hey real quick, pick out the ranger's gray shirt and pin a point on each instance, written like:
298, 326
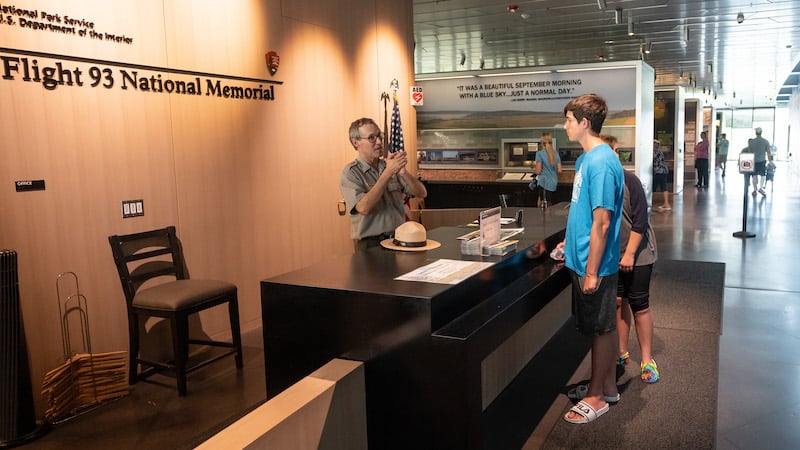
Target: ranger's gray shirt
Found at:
356, 180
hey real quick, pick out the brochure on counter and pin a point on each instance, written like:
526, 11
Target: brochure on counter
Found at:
490, 238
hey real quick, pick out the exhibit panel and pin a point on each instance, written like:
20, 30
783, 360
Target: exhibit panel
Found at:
482, 125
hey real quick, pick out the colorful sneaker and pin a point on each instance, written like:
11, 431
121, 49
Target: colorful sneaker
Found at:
650, 372
623, 359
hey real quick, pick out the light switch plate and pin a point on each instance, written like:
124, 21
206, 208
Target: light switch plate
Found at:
132, 208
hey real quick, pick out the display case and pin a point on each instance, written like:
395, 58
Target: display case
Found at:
510, 151
519, 155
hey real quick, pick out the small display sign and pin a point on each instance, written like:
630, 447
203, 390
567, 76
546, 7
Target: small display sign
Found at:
29, 185
746, 163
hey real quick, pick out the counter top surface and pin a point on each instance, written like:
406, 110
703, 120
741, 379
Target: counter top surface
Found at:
375, 270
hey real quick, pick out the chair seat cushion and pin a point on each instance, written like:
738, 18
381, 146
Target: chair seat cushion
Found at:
180, 294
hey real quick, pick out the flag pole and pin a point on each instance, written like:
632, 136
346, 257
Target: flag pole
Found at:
385, 98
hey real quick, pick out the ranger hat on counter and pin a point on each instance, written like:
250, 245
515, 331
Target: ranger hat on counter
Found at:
410, 237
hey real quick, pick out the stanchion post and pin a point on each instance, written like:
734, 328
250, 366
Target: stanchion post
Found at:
746, 166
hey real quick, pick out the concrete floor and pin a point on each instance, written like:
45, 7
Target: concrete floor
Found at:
759, 377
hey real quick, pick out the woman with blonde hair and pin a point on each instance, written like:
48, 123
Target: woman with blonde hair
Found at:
548, 166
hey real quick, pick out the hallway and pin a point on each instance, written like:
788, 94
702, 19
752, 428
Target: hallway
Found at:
761, 313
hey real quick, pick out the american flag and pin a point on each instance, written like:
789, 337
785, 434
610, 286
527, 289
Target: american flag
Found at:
396, 143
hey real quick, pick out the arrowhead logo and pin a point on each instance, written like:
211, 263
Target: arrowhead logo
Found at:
273, 61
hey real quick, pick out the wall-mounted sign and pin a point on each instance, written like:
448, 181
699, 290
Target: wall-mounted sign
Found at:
54, 71
273, 61
29, 185
524, 99
417, 98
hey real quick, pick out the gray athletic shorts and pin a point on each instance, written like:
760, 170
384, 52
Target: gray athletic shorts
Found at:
595, 314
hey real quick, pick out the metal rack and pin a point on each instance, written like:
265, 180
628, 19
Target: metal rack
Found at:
85, 380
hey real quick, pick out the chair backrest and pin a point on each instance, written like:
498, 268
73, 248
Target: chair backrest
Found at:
143, 256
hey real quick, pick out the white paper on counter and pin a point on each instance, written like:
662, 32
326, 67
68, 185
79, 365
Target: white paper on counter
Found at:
445, 271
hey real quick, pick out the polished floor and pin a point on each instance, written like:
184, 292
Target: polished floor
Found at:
759, 379
759, 375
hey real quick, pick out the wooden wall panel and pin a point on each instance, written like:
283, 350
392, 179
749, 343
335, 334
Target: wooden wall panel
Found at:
251, 186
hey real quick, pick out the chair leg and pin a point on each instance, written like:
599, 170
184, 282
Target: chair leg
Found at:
133, 347
236, 334
180, 345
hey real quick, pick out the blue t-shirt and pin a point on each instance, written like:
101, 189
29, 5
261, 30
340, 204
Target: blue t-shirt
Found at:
548, 179
599, 183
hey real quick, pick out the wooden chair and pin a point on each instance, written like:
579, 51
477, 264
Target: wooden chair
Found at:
144, 256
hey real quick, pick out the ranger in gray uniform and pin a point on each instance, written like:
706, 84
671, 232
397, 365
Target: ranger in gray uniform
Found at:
374, 188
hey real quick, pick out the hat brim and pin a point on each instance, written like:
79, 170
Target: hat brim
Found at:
429, 245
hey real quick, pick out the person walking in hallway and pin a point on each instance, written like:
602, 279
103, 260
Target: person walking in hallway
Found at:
660, 175
760, 149
701, 160
722, 153
591, 250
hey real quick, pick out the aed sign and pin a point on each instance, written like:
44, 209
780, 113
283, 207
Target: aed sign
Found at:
417, 98
746, 163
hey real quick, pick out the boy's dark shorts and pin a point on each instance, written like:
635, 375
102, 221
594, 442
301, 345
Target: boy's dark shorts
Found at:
596, 313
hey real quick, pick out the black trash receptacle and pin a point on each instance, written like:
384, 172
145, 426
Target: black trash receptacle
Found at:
17, 415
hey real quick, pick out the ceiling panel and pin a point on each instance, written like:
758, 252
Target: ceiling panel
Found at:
699, 44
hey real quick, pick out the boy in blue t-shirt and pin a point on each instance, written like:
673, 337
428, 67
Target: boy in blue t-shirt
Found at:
591, 250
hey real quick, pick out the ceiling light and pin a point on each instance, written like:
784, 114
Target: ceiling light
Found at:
525, 16
454, 77
630, 25
535, 72
512, 8
648, 47
602, 4
739, 18
584, 69
618, 16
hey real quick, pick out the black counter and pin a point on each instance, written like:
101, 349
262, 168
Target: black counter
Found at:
486, 194
422, 343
